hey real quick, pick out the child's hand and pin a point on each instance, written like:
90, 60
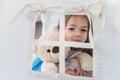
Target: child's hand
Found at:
77, 71
74, 72
78, 68
71, 72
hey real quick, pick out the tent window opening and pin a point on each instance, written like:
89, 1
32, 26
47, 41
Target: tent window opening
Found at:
65, 47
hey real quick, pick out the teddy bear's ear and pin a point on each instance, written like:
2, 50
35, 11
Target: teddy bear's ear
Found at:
55, 49
54, 28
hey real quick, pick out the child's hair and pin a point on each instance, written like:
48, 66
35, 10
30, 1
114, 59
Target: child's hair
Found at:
89, 51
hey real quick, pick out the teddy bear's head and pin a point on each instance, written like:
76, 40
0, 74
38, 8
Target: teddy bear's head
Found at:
49, 53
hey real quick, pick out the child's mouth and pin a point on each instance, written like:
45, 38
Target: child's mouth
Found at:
76, 40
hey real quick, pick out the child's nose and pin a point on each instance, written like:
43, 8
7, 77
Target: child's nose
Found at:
77, 33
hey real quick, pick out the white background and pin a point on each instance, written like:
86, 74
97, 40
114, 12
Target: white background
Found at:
14, 41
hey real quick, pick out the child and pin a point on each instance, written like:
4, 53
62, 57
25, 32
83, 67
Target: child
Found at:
77, 29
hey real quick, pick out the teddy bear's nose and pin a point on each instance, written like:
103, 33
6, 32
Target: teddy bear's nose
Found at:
55, 50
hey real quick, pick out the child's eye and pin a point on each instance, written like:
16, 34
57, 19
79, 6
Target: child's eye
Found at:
84, 30
71, 29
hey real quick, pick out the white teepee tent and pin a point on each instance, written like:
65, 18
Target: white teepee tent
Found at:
15, 39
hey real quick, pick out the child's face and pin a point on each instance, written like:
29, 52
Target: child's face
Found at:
76, 29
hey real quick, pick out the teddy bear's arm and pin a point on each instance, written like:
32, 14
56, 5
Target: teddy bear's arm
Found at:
86, 61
